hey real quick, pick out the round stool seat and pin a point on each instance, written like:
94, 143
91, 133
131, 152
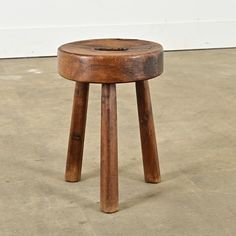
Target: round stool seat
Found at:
110, 60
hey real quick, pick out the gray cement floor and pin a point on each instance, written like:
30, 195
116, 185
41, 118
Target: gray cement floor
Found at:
194, 105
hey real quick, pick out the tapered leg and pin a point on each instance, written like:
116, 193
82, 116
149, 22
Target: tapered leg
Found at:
147, 133
77, 131
109, 161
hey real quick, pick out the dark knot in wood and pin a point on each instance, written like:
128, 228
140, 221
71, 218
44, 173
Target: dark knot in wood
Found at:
76, 137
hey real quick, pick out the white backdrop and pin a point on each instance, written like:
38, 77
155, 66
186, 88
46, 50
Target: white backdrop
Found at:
37, 28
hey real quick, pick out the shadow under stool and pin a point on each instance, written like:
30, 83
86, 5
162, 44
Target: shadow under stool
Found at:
107, 62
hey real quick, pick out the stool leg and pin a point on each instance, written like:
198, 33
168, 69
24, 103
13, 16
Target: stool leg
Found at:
147, 133
77, 131
109, 153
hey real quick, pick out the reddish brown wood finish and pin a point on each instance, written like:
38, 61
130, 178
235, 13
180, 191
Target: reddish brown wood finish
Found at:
77, 132
109, 159
110, 60
147, 133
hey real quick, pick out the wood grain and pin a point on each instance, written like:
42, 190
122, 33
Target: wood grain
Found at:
147, 133
109, 154
77, 132
110, 60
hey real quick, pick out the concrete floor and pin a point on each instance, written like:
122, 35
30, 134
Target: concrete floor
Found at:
194, 105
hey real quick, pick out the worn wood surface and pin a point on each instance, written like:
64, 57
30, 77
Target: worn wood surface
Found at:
147, 133
109, 153
110, 60
77, 132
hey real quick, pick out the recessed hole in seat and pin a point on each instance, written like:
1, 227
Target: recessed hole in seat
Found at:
111, 49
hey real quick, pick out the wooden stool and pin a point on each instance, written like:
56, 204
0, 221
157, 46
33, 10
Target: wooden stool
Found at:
110, 61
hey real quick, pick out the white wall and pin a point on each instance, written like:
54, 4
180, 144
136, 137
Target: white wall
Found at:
37, 28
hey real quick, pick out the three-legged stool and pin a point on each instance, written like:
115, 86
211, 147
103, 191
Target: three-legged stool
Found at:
107, 62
